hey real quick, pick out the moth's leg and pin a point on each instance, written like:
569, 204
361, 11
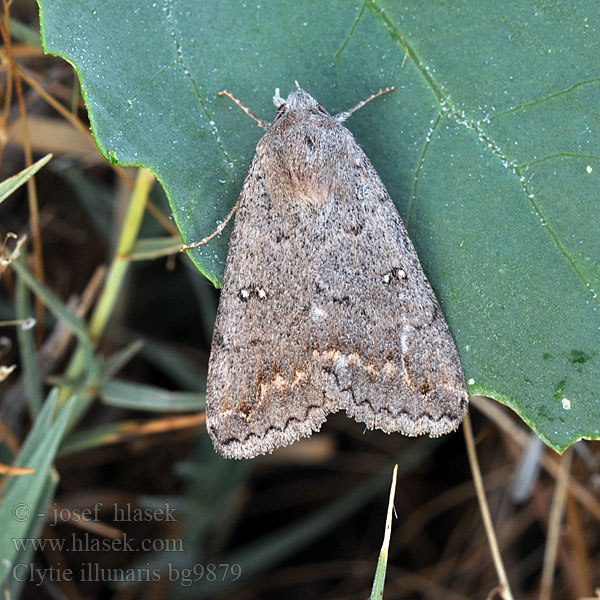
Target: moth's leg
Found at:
217, 231
222, 226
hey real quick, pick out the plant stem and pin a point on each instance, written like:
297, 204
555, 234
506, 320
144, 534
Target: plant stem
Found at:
554, 525
485, 511
112, 286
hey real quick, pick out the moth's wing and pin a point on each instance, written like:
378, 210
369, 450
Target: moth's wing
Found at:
381, 347
258, 392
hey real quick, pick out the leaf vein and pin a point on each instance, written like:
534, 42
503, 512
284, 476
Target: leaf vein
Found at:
397, 35
461, 118
558, 242
181, 62
545, 98
558, 155
413, 197
343, 45
150, 83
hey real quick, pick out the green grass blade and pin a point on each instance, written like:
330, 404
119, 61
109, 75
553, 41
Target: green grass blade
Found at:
24, 33
119, 359
86, 439
184, 370
145, 397
277, 546
150, 248
24, 493
60, 311
39, 431
27, 350
379, 581
8, 186
24, 556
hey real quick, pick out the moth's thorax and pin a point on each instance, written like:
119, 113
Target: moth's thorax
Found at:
307, 154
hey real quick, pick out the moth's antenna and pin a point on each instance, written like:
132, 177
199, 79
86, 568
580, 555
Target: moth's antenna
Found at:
344, 115
227, 93
297, 84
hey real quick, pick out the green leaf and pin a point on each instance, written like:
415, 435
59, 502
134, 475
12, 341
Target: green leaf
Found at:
489, 147
8, 186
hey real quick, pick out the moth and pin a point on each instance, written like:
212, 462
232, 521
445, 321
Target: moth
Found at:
324, 305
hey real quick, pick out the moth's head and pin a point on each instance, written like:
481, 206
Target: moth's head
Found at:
298, 101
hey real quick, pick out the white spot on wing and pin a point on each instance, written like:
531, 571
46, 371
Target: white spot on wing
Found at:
317, 311
404, 341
